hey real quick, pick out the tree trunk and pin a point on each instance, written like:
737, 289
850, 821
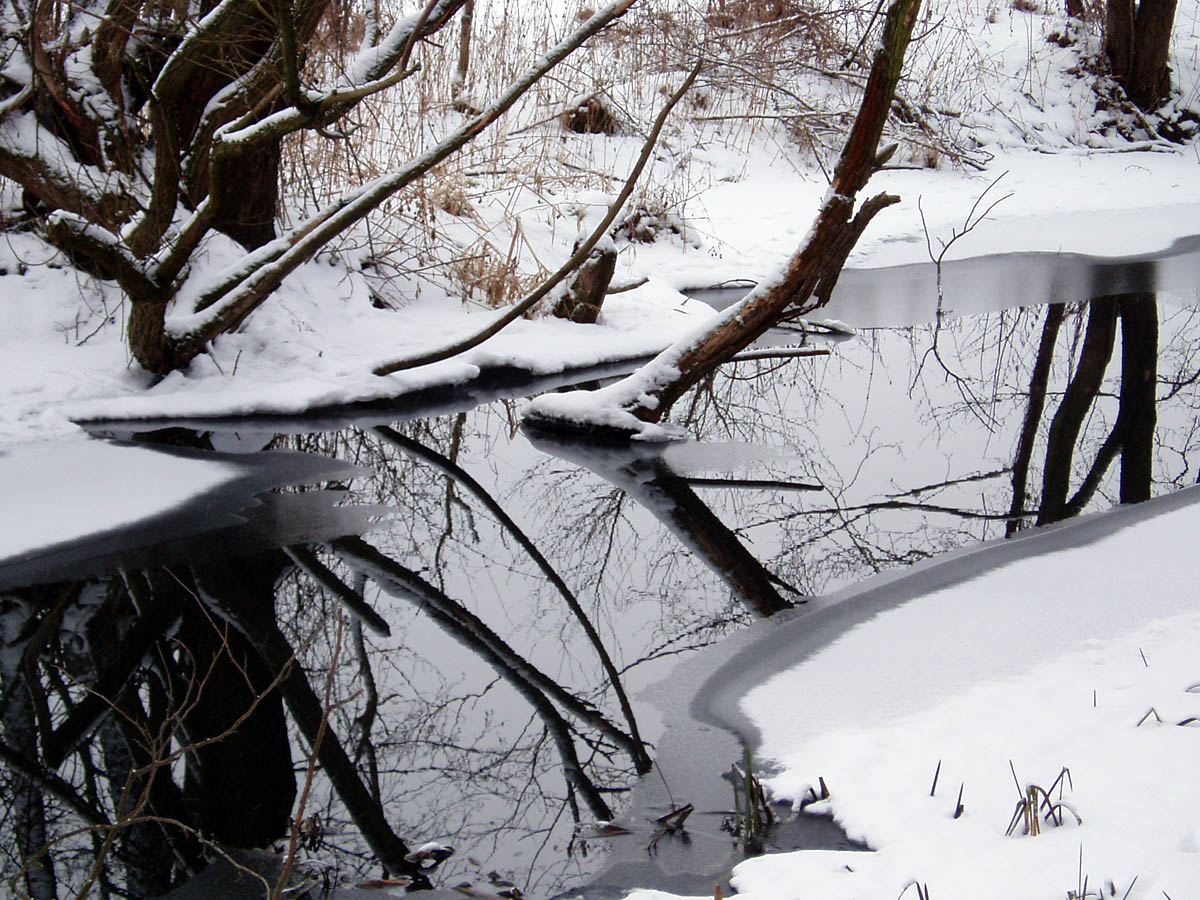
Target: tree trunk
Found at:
1149, 77
464, 59
248, 214
1077, 400
1137, 43
1139, 377
805, 284
148, 340
1038, 383
1118, 37
221, 589
585, 295
241, 786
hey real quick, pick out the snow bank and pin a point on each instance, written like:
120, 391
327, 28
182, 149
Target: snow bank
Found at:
61, 492
738, 200
1082, 658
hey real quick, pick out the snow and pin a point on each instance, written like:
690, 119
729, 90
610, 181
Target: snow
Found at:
315, 342
72, 490
1082, 658
1048, 661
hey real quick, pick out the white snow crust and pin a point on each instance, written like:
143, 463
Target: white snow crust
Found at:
1047, 662
1039, 662
63, 491
315, 342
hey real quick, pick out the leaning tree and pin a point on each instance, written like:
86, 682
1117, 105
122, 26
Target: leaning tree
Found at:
138, 130
635, 405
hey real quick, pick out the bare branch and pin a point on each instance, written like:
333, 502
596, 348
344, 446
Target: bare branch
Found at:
574, 262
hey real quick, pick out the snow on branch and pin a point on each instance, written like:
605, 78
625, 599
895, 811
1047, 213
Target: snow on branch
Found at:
374, 62
181, 64
634, 406
315, 113
30, 153
238, 292
74, 232
571, 265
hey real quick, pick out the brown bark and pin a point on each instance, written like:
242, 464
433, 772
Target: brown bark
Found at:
813, 271
248, 216
1137, 43
585, 294
1118, 37
148, 340
464, 57
1149, 77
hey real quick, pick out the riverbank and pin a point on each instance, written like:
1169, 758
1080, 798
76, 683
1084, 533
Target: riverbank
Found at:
1018, 145
1069, 648
314, 345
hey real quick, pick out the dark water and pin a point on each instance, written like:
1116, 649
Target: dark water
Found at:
485, 634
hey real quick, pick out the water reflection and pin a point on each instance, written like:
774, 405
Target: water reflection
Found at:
167, 692
447, 642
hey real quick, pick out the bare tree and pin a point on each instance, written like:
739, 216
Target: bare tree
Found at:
139, 130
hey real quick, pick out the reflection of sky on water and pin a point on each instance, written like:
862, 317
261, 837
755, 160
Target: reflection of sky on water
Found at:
906, 295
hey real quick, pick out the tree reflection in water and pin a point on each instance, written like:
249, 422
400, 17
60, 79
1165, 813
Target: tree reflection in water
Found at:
462, 669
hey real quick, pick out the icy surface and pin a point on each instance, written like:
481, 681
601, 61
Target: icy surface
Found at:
59, 492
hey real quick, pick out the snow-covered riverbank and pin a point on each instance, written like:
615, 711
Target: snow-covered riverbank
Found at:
1071, 648
315, 343
1070, 184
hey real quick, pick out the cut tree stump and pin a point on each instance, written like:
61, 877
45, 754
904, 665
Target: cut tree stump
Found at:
585, 294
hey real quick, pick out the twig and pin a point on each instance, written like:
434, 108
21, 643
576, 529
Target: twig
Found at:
310, 770
577, 258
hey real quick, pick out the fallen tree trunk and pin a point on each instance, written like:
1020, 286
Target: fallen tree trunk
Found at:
637, 403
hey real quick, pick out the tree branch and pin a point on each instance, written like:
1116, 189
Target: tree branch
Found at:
574, 262
237, 295
468, 629
352, 599
73, 232
632, 742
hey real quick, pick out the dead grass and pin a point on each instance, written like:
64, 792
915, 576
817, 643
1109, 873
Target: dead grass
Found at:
791, 69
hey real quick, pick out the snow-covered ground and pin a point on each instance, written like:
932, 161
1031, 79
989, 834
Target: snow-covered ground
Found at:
1082, 658
744, 201
68, 491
